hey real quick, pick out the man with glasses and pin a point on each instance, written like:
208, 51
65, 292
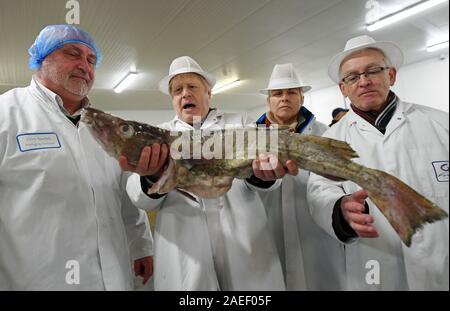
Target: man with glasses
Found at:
406, 140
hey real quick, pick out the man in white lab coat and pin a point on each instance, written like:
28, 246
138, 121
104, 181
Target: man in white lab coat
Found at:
310, 258
406, 140
66, 222
216, 244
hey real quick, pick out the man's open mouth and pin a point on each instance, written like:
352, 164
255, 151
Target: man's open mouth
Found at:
188, 106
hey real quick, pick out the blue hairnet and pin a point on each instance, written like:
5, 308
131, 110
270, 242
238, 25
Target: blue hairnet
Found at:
53, 37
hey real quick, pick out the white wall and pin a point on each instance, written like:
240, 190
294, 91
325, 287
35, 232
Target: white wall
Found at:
425, 83
255, 113
322, 102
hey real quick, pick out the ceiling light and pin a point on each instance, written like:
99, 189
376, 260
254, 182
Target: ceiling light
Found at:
404, 13
226, 86
125, 82
437, 46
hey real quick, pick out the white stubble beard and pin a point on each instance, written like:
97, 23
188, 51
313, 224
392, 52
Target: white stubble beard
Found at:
80, 89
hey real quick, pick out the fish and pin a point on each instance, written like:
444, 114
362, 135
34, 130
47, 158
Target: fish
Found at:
197, 165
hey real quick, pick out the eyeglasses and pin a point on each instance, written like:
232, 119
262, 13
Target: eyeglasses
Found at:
369, 73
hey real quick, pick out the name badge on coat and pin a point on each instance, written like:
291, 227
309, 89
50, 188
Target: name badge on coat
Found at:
37, 141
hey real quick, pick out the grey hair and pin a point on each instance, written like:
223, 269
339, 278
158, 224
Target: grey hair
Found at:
202, 79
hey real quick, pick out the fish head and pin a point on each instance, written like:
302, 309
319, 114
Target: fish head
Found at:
122, 137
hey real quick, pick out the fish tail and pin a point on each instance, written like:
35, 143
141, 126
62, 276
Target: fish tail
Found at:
406, 210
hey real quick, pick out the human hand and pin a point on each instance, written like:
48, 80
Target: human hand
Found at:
268, 168
353, 208
143, 267
151, 161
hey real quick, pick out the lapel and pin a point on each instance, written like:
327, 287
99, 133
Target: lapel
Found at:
212, 119
398, 119
354, 120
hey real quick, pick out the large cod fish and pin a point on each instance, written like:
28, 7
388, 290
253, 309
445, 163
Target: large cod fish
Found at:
210, 173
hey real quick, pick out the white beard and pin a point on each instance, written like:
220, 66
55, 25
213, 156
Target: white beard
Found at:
75, 86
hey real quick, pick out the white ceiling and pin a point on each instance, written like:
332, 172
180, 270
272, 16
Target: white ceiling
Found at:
230, 38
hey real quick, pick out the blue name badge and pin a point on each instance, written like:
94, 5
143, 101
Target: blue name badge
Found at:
441, 170
37, 141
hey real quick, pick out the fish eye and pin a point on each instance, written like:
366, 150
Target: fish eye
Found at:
126, 130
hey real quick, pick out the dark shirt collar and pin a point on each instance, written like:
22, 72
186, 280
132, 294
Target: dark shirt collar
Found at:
380, 118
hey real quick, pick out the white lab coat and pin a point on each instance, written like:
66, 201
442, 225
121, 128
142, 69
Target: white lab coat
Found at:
415, 138
63, 203
311, 259
222, 243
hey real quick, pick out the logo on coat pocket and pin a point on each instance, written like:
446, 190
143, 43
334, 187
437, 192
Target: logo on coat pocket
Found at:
441, 170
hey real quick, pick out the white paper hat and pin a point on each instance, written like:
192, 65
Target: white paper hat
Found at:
391, 50
284, 77
184, 64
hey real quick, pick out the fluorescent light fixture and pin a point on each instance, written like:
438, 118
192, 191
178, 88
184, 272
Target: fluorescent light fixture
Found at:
437, 46
125, 82
226, 86
404, 13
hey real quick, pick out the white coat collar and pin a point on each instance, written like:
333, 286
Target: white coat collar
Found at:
399, 117
213, 117
48, 96
352, 119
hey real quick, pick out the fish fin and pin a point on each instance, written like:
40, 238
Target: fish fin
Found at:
339, 147
405, 209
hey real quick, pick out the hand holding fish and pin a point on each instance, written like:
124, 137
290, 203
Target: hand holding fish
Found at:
352, 207
143, 267
151, 161
268, 168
